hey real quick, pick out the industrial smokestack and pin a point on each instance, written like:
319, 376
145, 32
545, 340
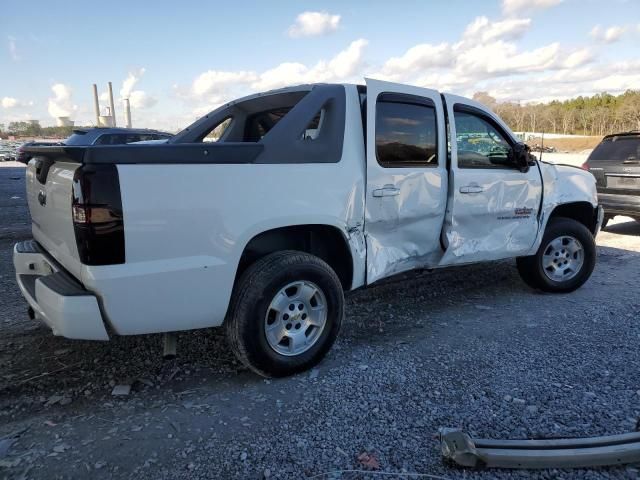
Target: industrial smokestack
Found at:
127, 113
113, 111
96, 104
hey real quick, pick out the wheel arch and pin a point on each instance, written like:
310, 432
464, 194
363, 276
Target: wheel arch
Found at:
327, 242
581, 211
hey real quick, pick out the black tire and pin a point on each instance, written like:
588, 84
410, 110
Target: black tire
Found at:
531, 269
253, 293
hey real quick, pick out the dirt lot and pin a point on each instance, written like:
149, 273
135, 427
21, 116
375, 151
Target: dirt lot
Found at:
471, 347
571, 145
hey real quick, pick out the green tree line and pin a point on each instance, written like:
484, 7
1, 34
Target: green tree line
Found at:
33, 129
599, 114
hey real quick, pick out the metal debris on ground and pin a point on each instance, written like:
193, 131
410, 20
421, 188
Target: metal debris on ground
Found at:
459, 448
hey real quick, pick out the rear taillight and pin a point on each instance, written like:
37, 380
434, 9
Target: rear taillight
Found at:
585, 166
97, 215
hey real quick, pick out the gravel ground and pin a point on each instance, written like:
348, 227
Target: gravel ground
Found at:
470, 347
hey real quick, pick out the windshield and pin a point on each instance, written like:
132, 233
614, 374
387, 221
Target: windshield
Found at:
617, 148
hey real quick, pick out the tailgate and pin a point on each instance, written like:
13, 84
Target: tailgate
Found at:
49, 195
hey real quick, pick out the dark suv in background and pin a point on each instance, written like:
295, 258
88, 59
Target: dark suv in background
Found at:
24, 157
114, 136
615, 163
98, 136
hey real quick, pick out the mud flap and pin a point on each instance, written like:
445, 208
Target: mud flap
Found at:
459, 448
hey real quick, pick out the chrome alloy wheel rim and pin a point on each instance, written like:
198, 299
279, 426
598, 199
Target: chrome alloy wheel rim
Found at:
563, 258
295, 318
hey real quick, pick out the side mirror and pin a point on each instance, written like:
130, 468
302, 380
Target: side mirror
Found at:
521, 156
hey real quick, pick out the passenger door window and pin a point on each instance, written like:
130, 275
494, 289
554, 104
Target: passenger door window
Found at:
406, 131
480, 143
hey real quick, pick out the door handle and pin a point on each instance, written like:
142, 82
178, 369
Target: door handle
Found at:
386, 191
42, 198
471, 189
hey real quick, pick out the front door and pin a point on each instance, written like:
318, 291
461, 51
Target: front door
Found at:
493, 205
406, 178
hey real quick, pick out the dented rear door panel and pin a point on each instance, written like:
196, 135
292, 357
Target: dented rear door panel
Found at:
405, 205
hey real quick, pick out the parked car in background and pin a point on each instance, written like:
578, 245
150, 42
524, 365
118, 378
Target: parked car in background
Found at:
113, 136
262, 213
615, 163
23, 156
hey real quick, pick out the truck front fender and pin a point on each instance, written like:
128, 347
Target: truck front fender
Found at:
569, 192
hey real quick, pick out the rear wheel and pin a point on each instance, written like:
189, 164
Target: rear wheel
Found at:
565, 259
285, 313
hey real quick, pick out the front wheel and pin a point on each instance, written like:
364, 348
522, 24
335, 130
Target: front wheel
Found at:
285, 314
565, 259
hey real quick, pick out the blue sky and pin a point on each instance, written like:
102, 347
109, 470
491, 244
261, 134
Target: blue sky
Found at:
178, 60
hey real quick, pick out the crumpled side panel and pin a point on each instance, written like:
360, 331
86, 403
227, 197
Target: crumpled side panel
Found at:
563, 184
406, 230
498, 222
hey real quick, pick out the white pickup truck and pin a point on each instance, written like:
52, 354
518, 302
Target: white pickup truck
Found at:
262, 213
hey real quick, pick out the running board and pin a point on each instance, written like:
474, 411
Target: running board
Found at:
458, 447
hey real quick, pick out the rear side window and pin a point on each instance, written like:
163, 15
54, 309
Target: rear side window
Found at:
217, 132
77, 138
406, 131
123, 138
111, 139
259, 124
617, 149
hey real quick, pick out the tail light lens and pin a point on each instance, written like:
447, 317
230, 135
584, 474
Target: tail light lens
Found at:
585, 166
97, 215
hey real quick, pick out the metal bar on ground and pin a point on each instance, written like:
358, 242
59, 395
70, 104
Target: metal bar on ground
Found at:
460, 448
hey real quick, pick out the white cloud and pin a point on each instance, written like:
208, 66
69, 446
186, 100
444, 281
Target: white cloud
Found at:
608, 35
511, 7
483, 30
504, 58
137, 98
61, 104
132, 79
578, 58
340, 68
216, 81
141, 99
9, 102
13, 49
214, 85
566, 83
488, 57
309, 24
418, 58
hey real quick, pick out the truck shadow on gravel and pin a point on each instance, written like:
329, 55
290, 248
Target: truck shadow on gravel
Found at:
42, 370
625, 228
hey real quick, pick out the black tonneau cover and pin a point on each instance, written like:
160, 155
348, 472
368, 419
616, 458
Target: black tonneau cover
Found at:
285, 143
152, 154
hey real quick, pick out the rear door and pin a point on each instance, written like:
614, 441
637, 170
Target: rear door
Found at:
493, 207
406, 178
615, 163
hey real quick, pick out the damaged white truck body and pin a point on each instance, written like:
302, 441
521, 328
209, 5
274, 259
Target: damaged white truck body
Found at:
259, 215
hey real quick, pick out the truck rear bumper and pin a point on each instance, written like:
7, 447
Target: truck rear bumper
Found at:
56, 297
